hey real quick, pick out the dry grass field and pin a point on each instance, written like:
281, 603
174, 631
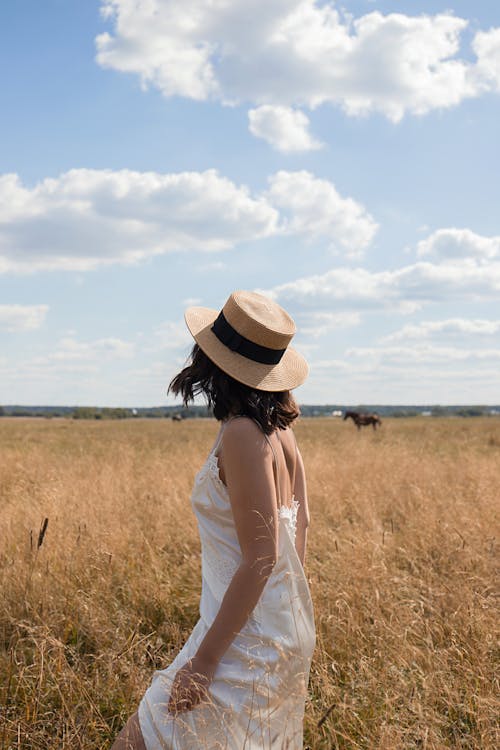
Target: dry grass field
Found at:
402, 556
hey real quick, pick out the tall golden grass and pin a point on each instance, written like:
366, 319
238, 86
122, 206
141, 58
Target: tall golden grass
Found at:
401, 561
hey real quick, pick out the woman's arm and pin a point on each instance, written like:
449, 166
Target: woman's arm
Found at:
249, 477
300, 492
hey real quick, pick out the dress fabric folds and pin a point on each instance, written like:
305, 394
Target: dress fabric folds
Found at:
258, 693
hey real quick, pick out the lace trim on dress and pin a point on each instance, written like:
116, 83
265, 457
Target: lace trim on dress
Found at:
213, 466
290, 513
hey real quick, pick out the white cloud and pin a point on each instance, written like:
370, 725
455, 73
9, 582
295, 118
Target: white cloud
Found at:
72, 371
161, 41
284, 128
42, 369
298, 53
86, 218
312, 207
22, 317
451, 327
459, 243
399, 376
172, 335
70, 349
423, 353
406, 289
317, 324
486, 45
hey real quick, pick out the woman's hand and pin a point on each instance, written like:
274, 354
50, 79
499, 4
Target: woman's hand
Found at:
190, 685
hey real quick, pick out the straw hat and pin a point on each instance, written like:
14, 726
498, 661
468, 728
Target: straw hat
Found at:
249, 340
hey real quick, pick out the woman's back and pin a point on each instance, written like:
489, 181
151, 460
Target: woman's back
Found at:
288, 471
284, 452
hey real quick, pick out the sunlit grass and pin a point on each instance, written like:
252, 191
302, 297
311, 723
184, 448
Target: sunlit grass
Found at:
401, 558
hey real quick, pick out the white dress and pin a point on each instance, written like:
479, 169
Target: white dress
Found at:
257, 695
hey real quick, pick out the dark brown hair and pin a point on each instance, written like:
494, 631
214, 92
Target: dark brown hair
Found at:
226, 396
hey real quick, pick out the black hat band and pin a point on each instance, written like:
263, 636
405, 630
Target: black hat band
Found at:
230, 337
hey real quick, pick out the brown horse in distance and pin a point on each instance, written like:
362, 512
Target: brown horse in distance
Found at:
363, 420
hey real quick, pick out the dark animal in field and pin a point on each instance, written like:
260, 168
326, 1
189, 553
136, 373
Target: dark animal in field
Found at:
177, 417
363, 420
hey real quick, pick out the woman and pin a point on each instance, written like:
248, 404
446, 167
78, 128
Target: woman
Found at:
240, 681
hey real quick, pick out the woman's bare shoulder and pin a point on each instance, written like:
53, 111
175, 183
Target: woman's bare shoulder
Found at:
243, 429
244, 439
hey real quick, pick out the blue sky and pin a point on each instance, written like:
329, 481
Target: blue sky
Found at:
342, 158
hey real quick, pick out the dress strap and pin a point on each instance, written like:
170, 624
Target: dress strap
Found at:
218, 441
275, 470
296, 461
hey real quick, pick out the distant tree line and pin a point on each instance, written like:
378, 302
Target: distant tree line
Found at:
97, 412
199, 412
90, 412
403, 410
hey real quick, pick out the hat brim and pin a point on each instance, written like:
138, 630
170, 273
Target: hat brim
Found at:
290, 372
